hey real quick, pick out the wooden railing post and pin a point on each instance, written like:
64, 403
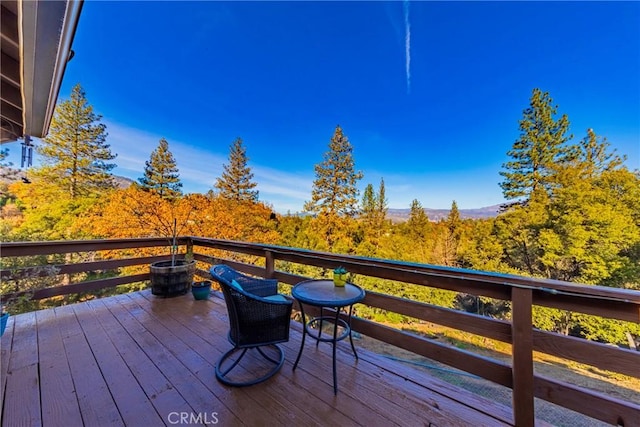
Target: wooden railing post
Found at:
522, 357
269, 264
189, 253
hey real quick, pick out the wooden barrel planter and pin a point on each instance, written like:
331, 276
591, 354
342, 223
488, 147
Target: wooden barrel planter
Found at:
169, 280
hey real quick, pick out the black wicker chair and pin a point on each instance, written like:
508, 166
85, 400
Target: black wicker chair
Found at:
256, 319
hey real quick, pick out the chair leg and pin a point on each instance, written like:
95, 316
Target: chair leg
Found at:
233, 365
222, 376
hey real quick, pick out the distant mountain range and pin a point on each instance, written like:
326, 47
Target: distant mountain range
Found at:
122, 181
400, 215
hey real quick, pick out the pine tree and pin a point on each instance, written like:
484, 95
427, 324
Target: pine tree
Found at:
417, 245
418, 220
451, 236
369, 206
334, 197
383, 205
374, 207
594, 155
453, 219
236, 180
373, 217
161, 173
75, 154
334, 189
538, 151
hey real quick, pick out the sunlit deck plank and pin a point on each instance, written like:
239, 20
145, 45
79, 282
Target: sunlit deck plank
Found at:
161, 393
58, 394
5, 352
22, 397
94, 398
132, 402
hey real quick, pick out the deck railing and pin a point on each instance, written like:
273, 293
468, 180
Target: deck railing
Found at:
521, 292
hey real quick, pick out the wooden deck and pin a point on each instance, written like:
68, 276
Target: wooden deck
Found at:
138, 360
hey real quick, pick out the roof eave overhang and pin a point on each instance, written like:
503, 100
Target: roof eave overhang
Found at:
46, 29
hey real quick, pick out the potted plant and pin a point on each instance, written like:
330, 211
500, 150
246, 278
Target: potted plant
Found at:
174, 277
201, 290
339, 276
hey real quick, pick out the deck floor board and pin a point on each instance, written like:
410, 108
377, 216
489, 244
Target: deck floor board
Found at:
58, 396
136, 359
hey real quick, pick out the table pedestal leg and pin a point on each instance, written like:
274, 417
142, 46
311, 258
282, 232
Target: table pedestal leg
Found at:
304, 334
335, 336
320, 328
353, 347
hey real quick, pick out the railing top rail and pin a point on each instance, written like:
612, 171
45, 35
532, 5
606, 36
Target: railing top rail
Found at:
12, 249
545, 285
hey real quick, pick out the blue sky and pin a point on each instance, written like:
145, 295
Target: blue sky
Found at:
428, 93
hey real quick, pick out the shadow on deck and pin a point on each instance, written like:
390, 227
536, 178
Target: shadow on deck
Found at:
138, 360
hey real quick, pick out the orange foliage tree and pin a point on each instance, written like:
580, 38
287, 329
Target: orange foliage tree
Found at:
134, 212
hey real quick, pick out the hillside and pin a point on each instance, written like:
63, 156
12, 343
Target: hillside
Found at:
11, 175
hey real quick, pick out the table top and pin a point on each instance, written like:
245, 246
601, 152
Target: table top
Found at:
323, 293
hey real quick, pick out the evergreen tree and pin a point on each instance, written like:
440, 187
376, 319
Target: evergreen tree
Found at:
416, 244
453, 219
334, 197
373, 217
334, 189
538, 151
75, 154
418, 220
594, 156
451, 238
161, 173
382, 207
236, 180
369, 206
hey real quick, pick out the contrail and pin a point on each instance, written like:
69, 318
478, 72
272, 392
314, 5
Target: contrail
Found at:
407, 44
